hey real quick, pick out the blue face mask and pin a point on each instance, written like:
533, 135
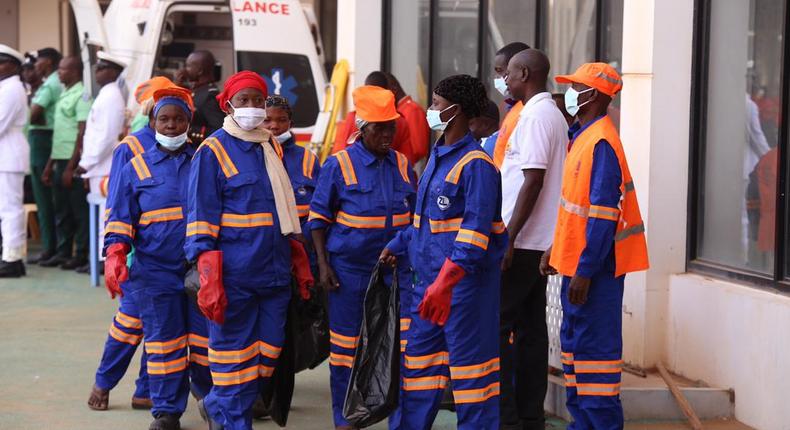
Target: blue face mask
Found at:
434, 118
285, 136
572, 100
171, 143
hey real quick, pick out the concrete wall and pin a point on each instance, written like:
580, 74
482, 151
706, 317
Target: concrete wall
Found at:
733, 336
40, 24
359, 39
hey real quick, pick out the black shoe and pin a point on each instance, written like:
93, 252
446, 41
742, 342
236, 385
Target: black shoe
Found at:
74, 263
166, 422
54, 261
83, 269
45, 255
212, 425
14, 269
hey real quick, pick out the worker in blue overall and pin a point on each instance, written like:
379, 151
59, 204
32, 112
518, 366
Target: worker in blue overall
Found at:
126, 330
148, 213
455, 247
365, 196
241, 224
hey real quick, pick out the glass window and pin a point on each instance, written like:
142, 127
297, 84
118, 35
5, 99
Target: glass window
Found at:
569, 29
737, 198
409, 46
456, 39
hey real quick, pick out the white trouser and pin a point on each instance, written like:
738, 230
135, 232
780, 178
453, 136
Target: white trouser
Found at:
95, 188
12, 216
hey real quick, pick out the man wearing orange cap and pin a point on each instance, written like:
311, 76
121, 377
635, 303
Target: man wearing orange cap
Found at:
598, 239
365, 196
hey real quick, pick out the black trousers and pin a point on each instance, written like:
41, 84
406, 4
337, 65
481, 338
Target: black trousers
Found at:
524, 363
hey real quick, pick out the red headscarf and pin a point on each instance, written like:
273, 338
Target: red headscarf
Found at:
238, 82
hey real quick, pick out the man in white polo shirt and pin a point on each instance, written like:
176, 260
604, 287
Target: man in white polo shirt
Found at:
531, 179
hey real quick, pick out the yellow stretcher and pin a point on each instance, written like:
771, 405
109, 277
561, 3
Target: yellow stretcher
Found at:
324, 133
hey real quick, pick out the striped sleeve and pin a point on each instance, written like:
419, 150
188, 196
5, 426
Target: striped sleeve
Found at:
325, 198
121, 222
204, 202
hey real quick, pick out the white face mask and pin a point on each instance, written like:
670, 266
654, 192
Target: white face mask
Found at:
285, 136
171, 143
248, 118
501, 86
434, 118
572, 100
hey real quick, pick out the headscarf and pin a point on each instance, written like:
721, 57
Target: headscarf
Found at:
238, 82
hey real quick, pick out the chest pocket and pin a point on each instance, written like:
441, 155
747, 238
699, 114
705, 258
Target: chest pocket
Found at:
249, 189
303, 189
445, 201
154, 194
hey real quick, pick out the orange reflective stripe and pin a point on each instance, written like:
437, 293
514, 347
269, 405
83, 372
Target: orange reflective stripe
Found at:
604, 212
278, 149
347, 342
445, 225
265, 371
197, 340
472, 237
425, 383
346, 167
570, 380
424, 361
127, 321
566, 358
236, 356
166, 347
263, 219
416, 221
476, 370
630, 231
198, 359
167, 367
235, 378
119, 227
455, 173
340, 360
225, 163
316, 215
202, 227
134, 145
308, 161
121, 336
403, 167
161, 215
476, 396
140, 167
403, 344
106, 214
597, 389
356, 221
399, 220
269, 350
405, 323
303, 210
498, 227
609, 366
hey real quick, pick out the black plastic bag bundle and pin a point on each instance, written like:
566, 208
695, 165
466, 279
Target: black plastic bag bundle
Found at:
374, 385
310, 330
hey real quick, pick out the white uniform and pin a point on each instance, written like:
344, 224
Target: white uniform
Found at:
102, 132
14, 164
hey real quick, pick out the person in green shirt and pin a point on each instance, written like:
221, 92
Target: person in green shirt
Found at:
70, 195
42, 117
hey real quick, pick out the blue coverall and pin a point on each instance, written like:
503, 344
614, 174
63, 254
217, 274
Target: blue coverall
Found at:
231, 209
148, 213
457, 217
303, 169
363, 202
126, 330
591, 334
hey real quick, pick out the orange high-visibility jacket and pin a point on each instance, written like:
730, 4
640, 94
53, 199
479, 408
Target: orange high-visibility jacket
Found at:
630, 247
505, 130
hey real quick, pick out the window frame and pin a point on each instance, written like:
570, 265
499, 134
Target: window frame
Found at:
779, 281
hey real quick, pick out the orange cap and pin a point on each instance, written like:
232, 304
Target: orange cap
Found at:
146, 90
175, 91
600, 76
375, 104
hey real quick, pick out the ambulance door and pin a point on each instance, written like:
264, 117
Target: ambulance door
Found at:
91, 36
273, 38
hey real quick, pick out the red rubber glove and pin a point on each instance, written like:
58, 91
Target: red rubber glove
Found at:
211, 296
115, 270
435, 305
300, 264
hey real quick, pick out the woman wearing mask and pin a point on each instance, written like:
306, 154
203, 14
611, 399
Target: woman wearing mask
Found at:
240, 216
365, 195
455, 247
147, 213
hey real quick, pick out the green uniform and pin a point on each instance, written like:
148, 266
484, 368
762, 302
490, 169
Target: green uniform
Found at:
40, 140
71, 205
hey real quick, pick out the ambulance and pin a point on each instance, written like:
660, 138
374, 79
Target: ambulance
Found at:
277, 39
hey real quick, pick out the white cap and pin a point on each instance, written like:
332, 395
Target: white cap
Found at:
7, 50
105, 56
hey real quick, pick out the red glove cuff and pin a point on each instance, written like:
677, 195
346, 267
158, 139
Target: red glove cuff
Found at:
450, 274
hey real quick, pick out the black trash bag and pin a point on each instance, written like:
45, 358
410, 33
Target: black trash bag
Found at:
375, 377
310, 330
277, 394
